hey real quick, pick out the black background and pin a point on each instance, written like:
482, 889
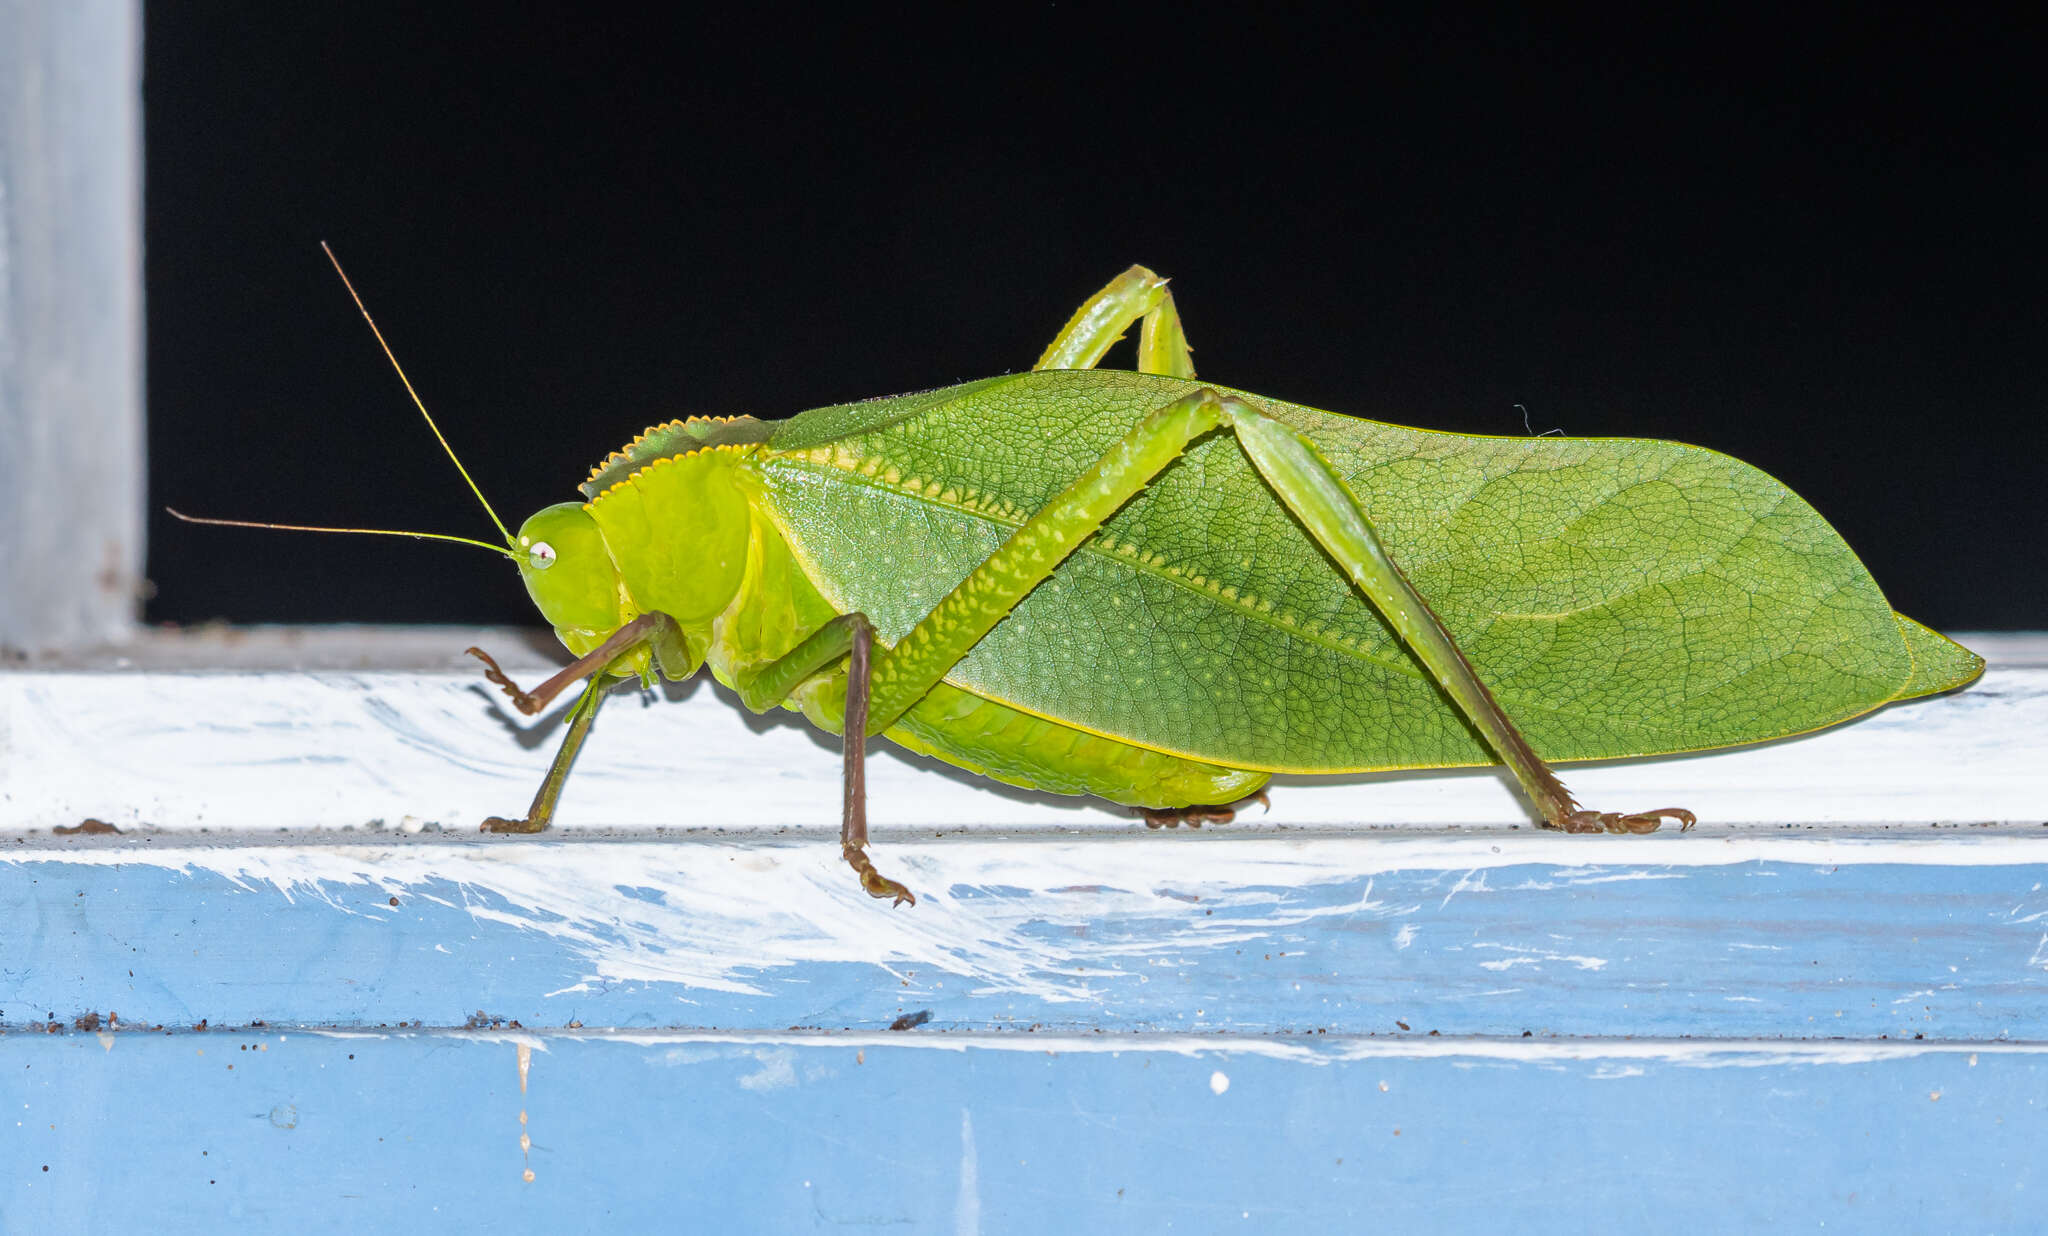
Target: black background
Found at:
1818, 250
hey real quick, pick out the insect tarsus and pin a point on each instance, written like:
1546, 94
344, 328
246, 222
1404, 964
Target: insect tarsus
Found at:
521, 700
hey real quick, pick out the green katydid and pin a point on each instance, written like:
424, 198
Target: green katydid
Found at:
1161, 591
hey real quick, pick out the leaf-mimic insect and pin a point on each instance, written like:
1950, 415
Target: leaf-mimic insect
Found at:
1161, 591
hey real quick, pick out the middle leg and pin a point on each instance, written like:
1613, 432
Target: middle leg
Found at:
764, 686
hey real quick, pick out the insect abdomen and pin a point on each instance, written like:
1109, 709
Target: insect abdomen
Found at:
996, 740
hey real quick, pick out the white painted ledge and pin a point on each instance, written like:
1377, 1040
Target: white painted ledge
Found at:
1344, 1001
393, 729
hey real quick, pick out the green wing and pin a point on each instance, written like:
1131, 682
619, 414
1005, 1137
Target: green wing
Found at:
1939, 663
1622, 597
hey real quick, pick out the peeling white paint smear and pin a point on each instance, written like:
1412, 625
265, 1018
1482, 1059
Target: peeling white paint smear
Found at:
1615, 1072
525, 1139
713, 916
1003, 914
1692, 1053
1535, 957
777, 1071
967, 1203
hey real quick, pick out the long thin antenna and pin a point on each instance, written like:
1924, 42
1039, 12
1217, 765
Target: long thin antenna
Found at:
416, 402
421, 536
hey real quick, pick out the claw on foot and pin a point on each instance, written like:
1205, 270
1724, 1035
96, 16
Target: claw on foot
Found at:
877, 884
499, 824
520, 700
1637, 823
1195, 817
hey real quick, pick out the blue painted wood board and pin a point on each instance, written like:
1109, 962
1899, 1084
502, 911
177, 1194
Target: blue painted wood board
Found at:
272, 1132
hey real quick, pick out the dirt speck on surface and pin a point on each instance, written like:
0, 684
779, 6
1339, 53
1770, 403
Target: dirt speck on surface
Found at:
87, 827
911, 1021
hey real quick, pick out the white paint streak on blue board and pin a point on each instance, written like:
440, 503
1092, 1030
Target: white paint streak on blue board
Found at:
695, 1046
1740, 936
967, 1203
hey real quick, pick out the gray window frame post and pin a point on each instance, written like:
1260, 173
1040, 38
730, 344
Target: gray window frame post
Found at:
72, 486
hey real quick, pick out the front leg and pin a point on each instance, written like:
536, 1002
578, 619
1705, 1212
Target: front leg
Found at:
542, 811
656, 629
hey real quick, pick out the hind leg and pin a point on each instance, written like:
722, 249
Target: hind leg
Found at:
1196, 816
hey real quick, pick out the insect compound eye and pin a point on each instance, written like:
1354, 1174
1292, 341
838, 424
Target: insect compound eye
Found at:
541, 556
